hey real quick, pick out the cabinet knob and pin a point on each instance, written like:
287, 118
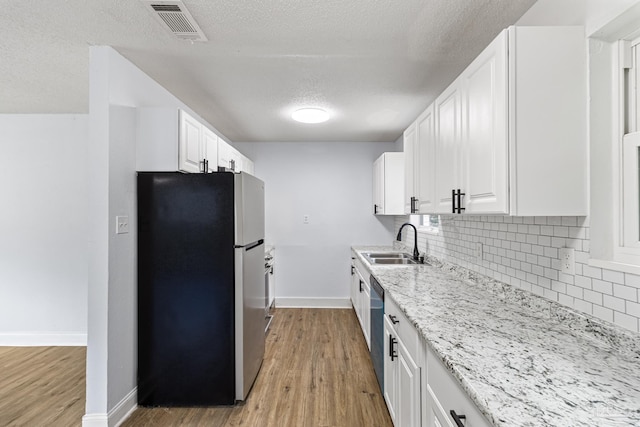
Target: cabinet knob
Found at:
457, 418
393, 319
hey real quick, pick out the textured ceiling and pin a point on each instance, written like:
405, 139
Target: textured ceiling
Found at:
374, 64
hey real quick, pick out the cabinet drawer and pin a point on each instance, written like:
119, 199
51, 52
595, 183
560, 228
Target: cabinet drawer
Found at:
445, 394
405, 329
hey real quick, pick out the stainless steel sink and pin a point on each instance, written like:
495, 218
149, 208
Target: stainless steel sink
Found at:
389, 258
386, 255
392, 261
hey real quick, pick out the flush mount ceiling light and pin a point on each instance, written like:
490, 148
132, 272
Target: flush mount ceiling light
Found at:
310, 115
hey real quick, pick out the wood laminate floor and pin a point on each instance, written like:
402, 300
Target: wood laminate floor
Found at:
316, 373
42, 386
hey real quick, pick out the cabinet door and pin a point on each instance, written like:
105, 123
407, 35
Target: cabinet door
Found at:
354, 287
224, 154
390, 370
436, 415
409, 402
366, 313
378, 186
246, 165
190, 144
409, 161
425, 162
484, 134
447, 114
210, 144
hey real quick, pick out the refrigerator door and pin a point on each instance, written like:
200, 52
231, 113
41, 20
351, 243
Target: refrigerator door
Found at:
186, 289
250, 317
249, 209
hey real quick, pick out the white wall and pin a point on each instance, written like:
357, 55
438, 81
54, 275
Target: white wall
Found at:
117, 87
332, 183
43, 230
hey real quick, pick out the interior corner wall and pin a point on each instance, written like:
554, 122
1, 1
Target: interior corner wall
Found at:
117, 87
43, 229
332, 183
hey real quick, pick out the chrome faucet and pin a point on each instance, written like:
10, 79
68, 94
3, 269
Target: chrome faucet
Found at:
416, 253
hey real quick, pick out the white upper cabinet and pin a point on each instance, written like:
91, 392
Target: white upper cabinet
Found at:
419, 150
191, 145
510, 131
448, 164
229, 157
426, 145
484, 130
388, 184
211, 149
169, 139
410, 148
246, 164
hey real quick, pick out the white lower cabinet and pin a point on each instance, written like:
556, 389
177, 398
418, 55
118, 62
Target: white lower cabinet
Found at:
444, 395
361, 298
402, 372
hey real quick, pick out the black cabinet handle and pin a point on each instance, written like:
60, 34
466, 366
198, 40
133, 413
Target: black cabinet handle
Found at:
453, 201
413, 204
457, 418
352, 272
360, 285
375, 209
393, 319
392, 351
456, 195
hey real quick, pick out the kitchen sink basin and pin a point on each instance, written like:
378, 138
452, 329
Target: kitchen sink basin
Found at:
393, 261
386, 255
394, 258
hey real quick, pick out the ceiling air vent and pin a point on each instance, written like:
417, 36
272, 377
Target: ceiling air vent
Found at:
176, 18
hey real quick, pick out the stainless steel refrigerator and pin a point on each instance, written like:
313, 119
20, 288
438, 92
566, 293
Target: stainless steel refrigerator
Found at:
200, 287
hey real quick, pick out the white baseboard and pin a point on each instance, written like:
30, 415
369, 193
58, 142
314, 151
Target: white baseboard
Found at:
296, 302
124, 408
95, 420
43, 339
117, 415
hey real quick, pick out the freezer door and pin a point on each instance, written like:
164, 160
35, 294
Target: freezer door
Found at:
249, 209
250, 316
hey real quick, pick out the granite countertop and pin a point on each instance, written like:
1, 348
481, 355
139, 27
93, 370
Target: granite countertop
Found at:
523, 360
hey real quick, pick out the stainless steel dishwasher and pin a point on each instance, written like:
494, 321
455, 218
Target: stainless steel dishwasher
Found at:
377, 330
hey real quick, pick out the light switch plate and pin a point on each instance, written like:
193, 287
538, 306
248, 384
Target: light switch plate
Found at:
122, 224
567, 260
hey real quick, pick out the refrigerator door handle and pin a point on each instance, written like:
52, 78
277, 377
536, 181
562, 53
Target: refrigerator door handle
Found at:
251, 245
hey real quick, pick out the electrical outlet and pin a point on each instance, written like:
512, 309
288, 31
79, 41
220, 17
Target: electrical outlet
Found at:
122, 224
305, 219
567, 260
478, 251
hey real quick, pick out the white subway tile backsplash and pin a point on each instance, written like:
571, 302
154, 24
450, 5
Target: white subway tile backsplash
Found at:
626, 321
625, 292
613, 276
632, 280
594, 297
602, 286
614, 303
594, 272
603, 313
633, 309
523, 252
